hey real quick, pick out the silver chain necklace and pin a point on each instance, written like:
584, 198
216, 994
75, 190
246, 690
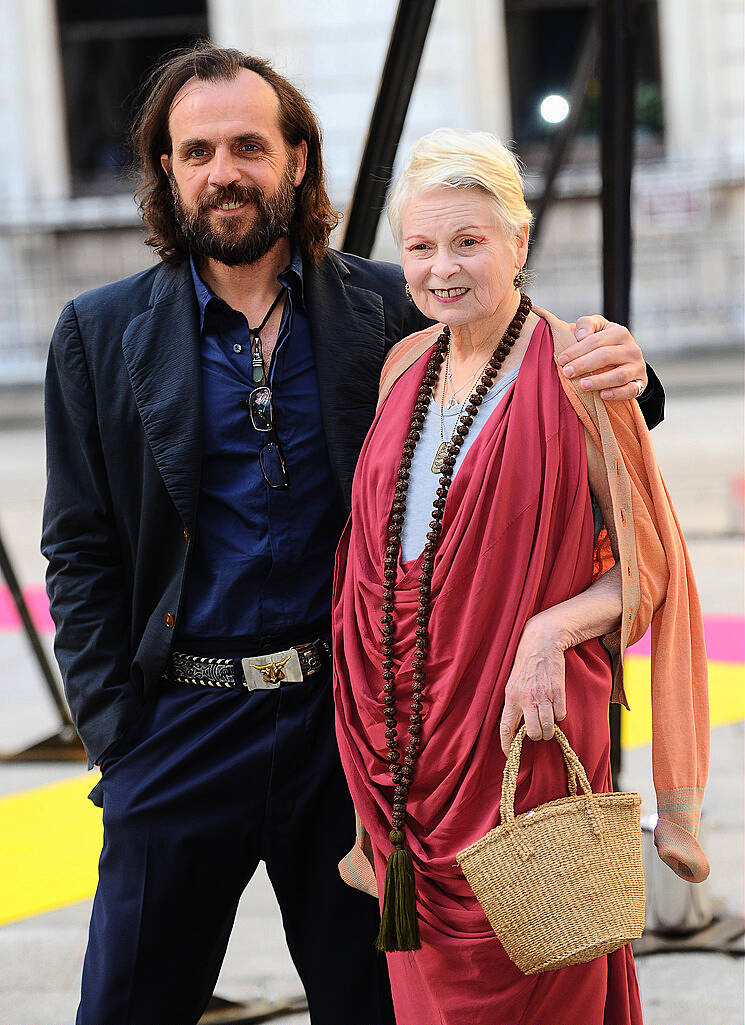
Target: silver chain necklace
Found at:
442, 448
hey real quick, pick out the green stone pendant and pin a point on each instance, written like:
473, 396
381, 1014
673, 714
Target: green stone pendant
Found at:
257, 362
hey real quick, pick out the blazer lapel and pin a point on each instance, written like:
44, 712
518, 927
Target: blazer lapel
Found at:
161, 352
348, 331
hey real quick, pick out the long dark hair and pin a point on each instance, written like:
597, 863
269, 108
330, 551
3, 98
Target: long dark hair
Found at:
314, 218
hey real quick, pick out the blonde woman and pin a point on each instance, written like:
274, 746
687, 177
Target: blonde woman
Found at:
466, 600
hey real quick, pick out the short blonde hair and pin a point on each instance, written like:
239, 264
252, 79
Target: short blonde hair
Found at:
462, 160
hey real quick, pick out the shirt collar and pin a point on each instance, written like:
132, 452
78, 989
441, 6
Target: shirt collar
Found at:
291, 277
203, 292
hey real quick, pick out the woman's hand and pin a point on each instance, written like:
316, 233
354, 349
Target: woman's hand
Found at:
535, 690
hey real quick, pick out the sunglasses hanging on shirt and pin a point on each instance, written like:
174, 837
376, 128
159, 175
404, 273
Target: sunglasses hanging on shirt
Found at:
257, 353
271, 461
259, 406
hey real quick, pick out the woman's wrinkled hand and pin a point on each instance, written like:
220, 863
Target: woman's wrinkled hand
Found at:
535, 690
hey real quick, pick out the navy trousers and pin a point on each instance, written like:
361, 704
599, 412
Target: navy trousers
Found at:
207, 783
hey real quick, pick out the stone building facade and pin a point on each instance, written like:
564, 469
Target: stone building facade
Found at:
62, 232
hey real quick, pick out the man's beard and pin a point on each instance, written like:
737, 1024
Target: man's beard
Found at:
232, 241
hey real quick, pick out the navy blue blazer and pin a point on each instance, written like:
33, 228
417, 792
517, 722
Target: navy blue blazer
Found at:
123, 415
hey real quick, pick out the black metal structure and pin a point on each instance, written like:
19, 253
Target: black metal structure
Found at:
405, 49
618, 19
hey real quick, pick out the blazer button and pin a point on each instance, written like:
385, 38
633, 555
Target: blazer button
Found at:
170, 620
186, 536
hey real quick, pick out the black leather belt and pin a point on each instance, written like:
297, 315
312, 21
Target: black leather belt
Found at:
255, 672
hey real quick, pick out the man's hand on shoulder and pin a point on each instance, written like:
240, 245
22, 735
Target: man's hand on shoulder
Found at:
602, 345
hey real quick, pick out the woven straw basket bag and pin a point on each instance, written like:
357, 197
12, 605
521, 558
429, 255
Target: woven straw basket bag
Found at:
563, 883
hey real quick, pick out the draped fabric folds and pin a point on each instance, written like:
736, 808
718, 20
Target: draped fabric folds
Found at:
517, 538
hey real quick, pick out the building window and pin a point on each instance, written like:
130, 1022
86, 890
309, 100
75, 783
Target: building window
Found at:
544, 38
107, 49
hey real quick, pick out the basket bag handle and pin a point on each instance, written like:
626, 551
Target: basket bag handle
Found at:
575, 771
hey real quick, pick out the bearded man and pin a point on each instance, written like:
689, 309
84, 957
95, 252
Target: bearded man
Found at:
204, 418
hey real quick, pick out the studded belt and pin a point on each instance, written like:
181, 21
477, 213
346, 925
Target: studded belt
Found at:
257, 672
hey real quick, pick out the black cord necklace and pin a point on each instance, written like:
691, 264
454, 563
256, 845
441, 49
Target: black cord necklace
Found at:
257, 353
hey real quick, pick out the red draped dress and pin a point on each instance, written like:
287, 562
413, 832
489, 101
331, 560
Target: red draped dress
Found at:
517, 538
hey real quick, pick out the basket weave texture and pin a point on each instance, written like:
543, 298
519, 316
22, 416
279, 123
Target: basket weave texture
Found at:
563, 883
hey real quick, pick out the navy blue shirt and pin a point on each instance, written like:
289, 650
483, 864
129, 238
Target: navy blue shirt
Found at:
262, 559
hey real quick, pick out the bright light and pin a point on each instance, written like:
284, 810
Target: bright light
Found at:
554, 109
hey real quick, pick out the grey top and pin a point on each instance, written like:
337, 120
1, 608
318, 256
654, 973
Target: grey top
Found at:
423, 483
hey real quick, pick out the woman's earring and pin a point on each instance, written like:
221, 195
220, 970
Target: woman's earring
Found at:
519, 279
408, 293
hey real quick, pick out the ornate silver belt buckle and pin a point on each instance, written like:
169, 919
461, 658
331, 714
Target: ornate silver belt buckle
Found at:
267, 672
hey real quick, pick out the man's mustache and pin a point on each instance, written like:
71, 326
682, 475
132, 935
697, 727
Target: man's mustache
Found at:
233, 193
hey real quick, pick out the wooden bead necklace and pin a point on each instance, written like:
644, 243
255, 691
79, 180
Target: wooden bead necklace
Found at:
399, 928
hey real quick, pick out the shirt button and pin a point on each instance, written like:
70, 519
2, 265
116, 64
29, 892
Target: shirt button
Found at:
237, 347
186, 536
169, 620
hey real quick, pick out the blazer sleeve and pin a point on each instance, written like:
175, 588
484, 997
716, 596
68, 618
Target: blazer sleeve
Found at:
85, 578
652, 400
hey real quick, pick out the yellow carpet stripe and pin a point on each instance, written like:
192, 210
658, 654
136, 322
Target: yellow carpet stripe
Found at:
50, 837
726, 698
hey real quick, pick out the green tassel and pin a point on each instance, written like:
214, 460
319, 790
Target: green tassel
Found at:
399, 926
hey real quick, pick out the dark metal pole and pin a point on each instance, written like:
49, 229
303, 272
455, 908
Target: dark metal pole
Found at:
617, 66
405, 50
618, 50
33, 635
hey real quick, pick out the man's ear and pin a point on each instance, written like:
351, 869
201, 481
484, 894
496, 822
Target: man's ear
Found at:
165, 163
301, 161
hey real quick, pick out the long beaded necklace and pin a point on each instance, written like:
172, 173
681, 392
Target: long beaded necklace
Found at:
399, 928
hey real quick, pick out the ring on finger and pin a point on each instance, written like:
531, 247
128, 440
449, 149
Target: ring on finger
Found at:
639, 387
